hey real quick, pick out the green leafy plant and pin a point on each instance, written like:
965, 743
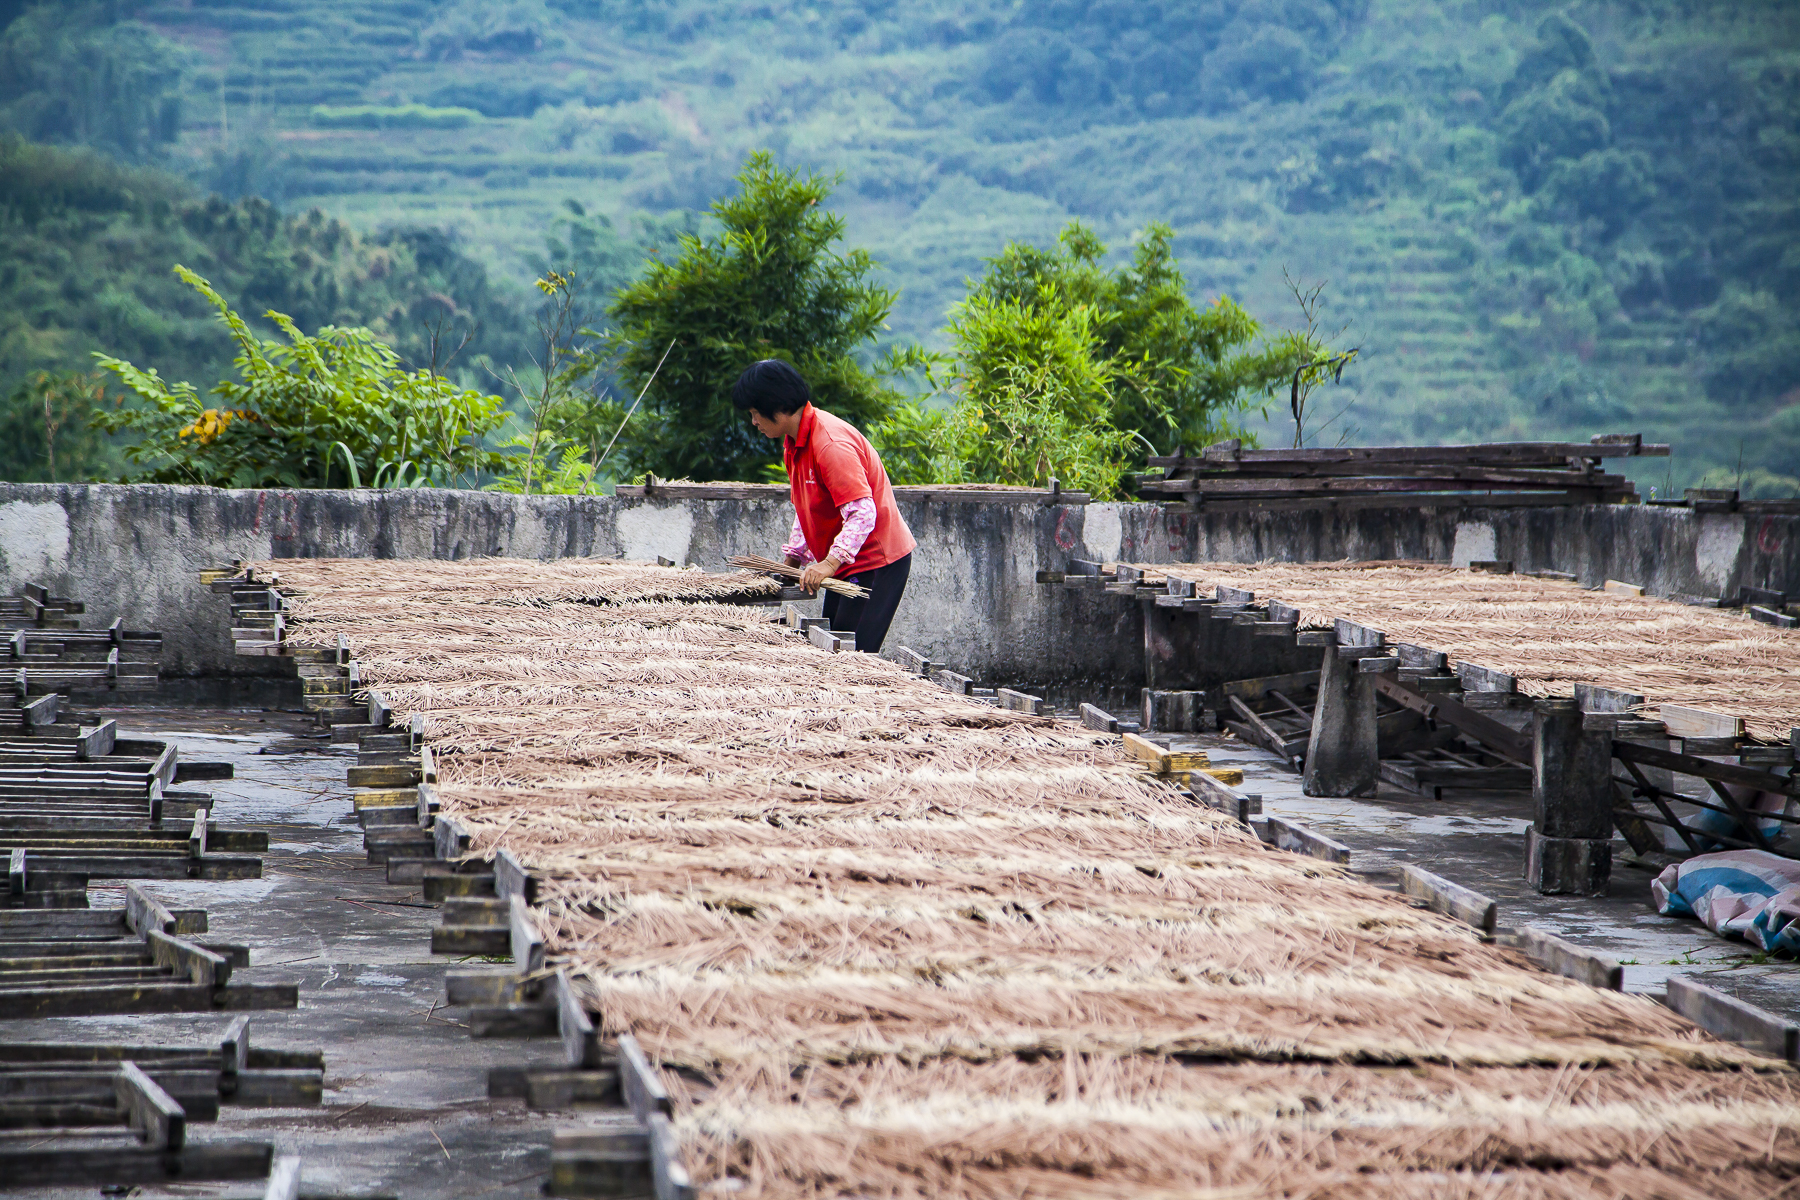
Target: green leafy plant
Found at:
771, 285
336, 404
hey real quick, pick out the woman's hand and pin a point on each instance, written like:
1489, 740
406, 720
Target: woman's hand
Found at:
817, 573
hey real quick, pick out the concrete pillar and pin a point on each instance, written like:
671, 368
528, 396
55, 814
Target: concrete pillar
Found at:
1171, 712
1341, 758
1568, 848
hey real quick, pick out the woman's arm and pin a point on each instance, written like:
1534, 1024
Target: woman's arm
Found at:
796, 552
859, 522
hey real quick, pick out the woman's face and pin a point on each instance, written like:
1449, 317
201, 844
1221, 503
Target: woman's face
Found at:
779, 425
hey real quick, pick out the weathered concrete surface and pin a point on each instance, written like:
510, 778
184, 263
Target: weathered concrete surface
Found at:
135, 551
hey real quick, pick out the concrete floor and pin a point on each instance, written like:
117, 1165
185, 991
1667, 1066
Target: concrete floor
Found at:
406, 1111
1477, 839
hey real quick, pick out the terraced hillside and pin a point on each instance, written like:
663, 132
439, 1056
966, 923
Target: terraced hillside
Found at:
1535, 218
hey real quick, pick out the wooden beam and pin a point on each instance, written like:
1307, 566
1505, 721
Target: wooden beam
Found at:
512, 879
1451, 899
644, 1091
581, 1042
107, 1166
1163, 761
1728, 1017
1705, 768
1684, 722
201, 966
144, 913
1565, 958
527, 942
1291, 835
159, 1121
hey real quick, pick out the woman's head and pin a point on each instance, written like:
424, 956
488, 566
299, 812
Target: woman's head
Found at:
769, 391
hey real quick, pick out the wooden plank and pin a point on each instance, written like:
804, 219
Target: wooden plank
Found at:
197, 836
16, 879
381, 713
1164, 761
581, 1042
952, 682
158, 1120
1271, 741
913, 661
107, 1165
1684, 722
144, 913
1734, 1020
1451, 899
487, 986
1223, 797
823, 638
527, 942
234, 1046
98, 741
512, 879
1291, 835
1554, 453
196, 963
40, 713
1564, 958
1484, 679
1015, 701
644, 1091
383, 776
1254, 690
1705, 768
1098, 719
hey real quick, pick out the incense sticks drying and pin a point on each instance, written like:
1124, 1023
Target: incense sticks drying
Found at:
904, 944
1548, 634
756, 562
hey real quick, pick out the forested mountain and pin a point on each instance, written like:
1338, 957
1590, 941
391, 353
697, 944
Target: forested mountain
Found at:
1535, 219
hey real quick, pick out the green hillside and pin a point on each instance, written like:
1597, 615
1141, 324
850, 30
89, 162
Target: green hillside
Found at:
1535, 220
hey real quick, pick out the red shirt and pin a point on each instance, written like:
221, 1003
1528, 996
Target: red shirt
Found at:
830, 464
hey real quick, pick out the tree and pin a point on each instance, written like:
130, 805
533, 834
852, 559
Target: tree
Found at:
1179, 375
1063, 369
337, 403
769, 286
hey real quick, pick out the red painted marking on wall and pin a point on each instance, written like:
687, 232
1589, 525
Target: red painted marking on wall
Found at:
256, 526
1767, 540
1065, 540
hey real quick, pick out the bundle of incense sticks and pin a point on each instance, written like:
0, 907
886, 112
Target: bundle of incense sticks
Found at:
756, 562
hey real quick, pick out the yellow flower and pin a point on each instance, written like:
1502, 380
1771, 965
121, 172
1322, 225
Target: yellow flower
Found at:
208, 425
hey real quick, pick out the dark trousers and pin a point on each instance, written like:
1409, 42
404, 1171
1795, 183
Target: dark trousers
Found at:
869, 618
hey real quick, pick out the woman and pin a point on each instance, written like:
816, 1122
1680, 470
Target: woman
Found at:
845, 521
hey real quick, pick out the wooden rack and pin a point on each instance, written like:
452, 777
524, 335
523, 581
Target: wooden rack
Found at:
1226, 475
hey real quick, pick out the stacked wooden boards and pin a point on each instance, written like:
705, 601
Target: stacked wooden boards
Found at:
1226, 475
876, 939
47, 650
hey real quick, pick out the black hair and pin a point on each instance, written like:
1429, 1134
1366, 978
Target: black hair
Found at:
771, 387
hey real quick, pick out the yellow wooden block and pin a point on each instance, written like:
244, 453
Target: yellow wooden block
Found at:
1614, 588
383, 797
1229, 776
1164, 761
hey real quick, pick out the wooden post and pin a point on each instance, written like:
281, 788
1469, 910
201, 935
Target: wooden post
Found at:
1341, 757
1568, 848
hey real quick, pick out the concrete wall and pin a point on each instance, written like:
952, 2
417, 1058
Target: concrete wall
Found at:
136, 551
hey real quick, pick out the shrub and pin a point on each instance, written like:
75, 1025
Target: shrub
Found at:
333, 405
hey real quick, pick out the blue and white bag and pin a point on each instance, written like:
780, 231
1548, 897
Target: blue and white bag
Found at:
1750, 894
